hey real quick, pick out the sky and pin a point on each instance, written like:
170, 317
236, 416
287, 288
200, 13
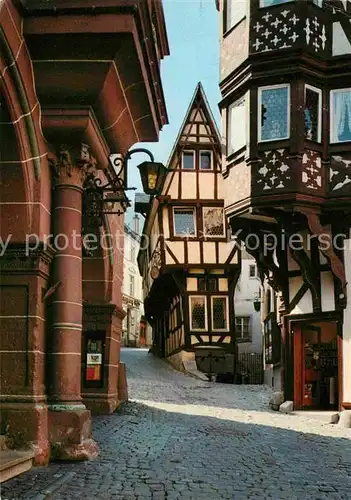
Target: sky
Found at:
193, 36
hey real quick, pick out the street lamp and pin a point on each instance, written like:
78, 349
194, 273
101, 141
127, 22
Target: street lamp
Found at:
152, 176
101, 198
257, 304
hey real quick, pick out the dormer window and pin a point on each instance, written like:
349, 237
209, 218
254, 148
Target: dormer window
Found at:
188, 160
206, 160
274, 113
340, 115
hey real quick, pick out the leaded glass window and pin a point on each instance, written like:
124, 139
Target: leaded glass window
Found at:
219, 313
213, 221
313, 110
198, 313
340, 111
184, 221
274, 113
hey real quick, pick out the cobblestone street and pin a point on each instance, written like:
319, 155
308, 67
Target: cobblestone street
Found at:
180, 437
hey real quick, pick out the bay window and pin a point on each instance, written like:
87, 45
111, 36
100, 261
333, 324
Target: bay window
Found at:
273, 113
340, 115
237, 126
313, 113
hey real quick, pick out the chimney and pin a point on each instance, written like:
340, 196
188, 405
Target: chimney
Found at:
136, 224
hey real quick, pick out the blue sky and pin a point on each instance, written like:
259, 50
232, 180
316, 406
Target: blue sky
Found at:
193, 35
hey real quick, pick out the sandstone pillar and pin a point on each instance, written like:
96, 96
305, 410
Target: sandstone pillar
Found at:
69, 420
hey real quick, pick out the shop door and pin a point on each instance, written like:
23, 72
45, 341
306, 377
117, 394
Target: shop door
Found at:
320, 367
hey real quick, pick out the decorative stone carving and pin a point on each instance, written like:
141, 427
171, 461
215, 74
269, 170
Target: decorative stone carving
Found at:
72, 164
312, 170
274, 172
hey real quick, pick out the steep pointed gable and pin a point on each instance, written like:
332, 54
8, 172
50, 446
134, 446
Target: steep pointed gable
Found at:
198, 132
199, 125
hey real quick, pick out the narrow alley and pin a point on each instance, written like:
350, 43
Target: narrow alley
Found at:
180, 437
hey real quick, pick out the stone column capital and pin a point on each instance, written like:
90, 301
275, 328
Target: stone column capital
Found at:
72, 164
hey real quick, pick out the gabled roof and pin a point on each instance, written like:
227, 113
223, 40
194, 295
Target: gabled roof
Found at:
198, 97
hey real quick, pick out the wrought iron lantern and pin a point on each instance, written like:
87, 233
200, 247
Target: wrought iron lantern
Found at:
257, 303
101, 198
152, 176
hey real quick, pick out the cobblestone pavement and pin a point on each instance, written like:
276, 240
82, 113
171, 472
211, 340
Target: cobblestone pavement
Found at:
181, 438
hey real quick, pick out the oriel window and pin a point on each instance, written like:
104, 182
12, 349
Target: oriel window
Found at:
274, 113
313, 113
340, 115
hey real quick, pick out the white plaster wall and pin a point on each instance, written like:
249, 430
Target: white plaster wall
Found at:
206, 184
305, 304
246, 290
174, 186
188, 185
193, 252
341, 45
327, 288
347, 327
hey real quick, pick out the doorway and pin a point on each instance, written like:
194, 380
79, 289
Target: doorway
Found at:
316, 376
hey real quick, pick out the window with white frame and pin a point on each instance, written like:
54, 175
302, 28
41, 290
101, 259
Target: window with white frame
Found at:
237, 125
184, 221
243, 328
206, 160
274, 112
132, 252
198, 313
234, 12
213, 221
219, 313
313, 113
188, 160
340, 115
269, 3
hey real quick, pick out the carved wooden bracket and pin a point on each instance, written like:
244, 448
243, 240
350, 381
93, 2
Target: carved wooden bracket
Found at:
310, 275
336, 264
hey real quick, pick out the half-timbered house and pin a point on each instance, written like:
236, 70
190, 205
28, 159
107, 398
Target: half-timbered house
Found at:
189, 268
286, 110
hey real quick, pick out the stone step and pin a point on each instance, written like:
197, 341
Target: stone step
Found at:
327, 417
13, 463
